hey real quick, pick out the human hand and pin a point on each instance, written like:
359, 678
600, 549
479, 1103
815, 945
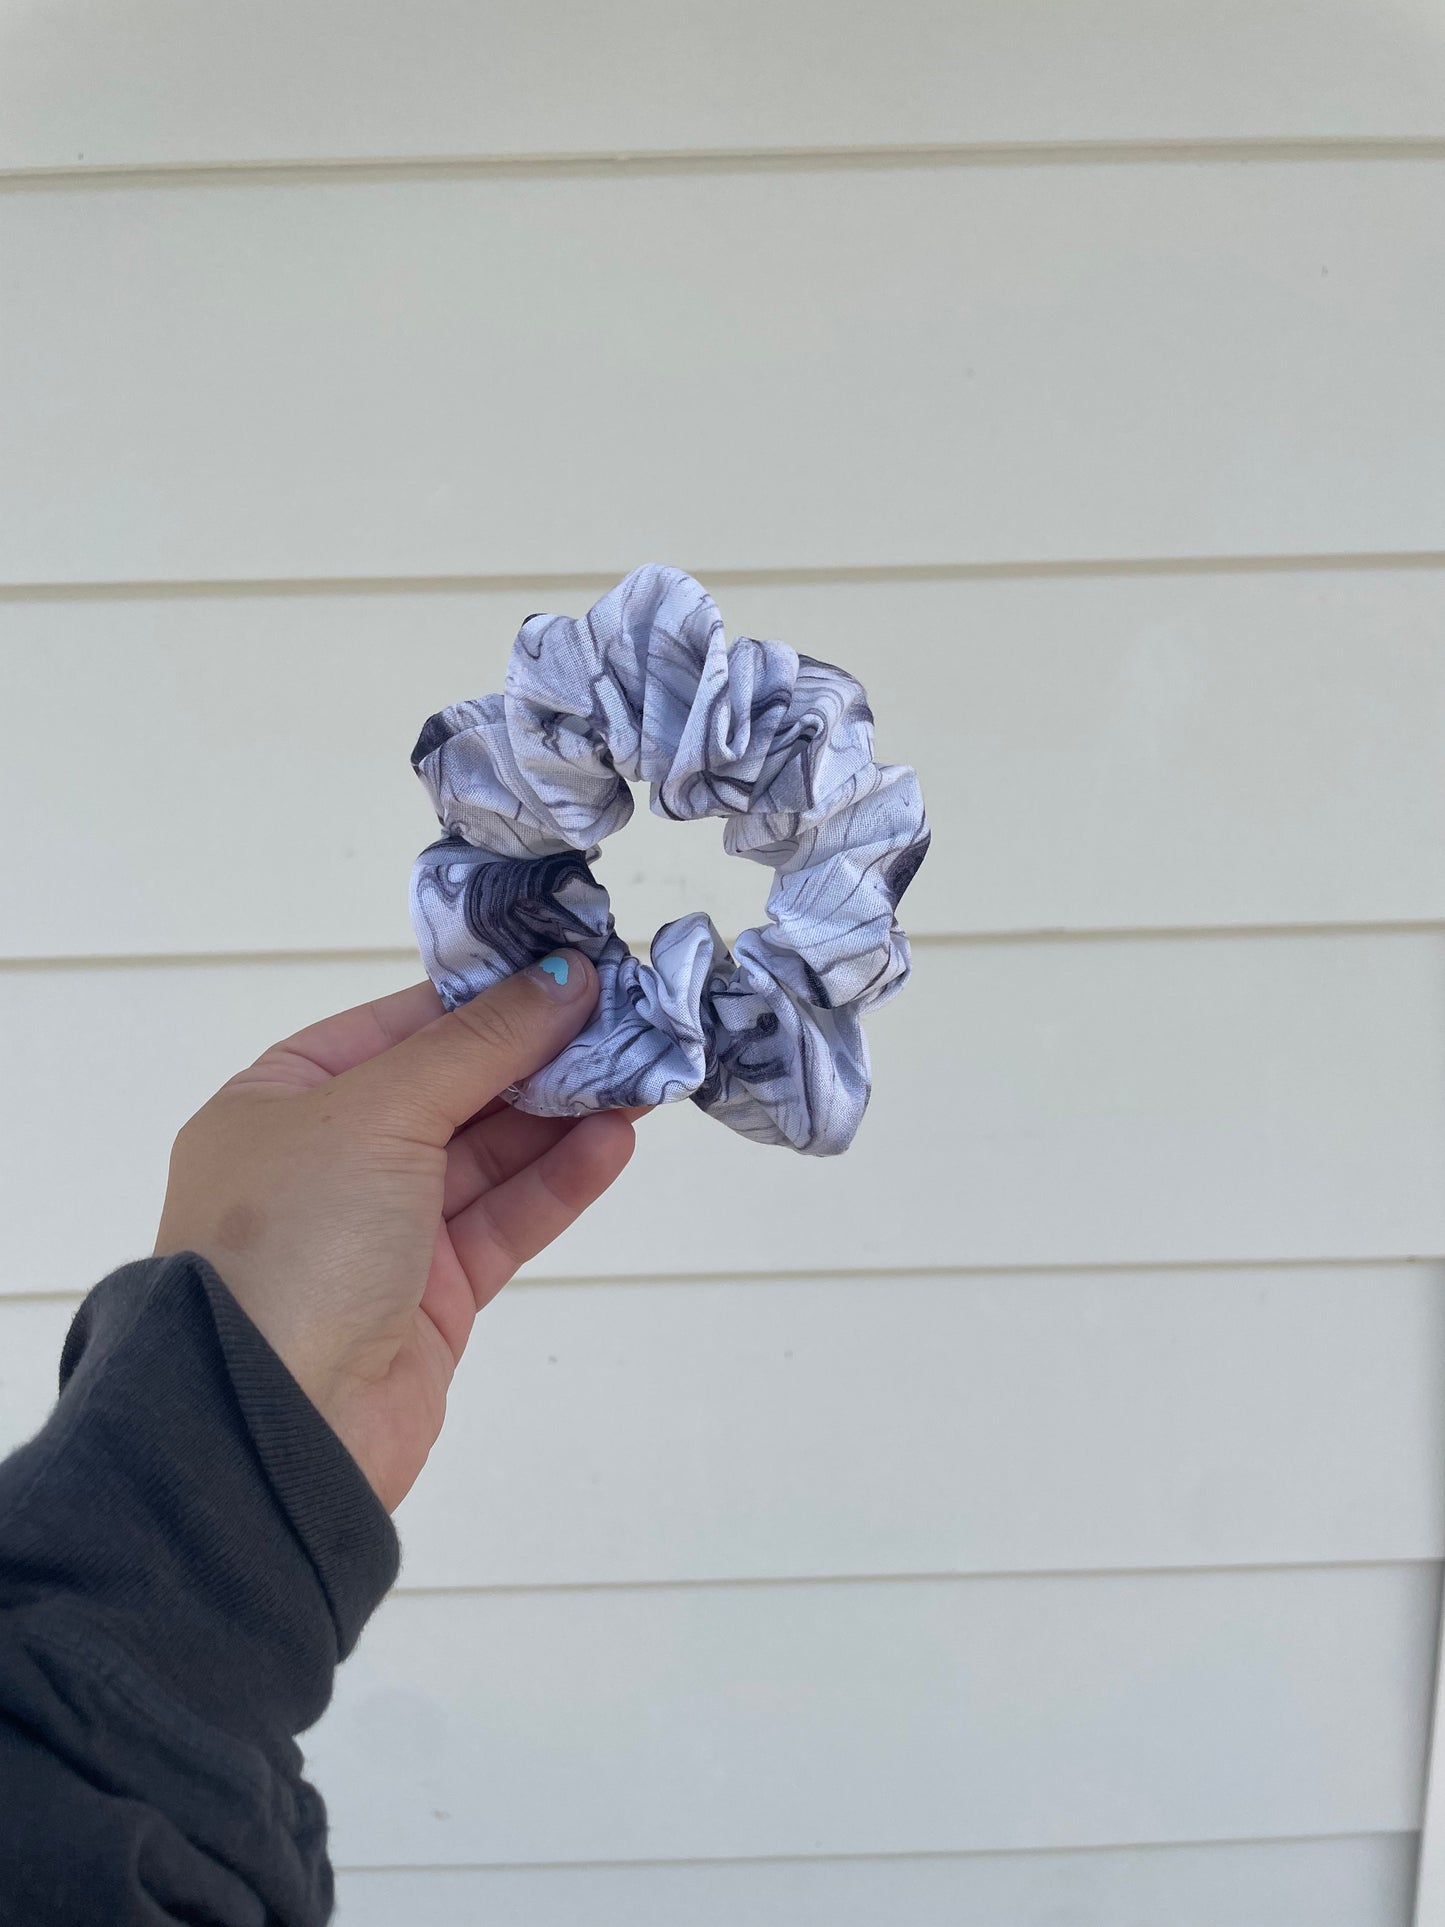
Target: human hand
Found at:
363, 1191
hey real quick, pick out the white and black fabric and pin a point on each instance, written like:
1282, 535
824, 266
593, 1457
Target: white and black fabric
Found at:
645, 689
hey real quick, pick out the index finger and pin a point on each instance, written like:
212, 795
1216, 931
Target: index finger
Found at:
335, 1044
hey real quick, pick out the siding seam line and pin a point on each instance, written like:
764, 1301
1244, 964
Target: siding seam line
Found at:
852, 157
920, 940
845, 1274
797, 1582
901, 1853
822, 575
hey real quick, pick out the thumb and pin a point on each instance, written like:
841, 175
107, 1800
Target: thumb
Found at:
446, 1071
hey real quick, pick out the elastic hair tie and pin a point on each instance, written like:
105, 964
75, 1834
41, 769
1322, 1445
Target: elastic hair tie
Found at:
767, 1038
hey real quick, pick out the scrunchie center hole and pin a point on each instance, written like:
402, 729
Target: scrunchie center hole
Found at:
656, 870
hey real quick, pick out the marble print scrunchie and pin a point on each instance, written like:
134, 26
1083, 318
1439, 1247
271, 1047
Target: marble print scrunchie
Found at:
645, 688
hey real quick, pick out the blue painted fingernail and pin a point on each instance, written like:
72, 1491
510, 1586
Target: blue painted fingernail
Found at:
561, 976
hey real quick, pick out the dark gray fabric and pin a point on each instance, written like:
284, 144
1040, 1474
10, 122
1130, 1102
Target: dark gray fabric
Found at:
186, 1552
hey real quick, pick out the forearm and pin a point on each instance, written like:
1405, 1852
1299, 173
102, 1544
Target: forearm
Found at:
186, 1552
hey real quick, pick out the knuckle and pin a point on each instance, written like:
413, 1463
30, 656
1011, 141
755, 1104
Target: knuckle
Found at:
509, 1249
557, 1191
493, 1023
485, 1162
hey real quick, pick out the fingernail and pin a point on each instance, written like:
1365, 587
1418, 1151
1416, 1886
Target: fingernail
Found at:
563, 975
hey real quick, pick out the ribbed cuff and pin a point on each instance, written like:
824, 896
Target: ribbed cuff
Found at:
332, 1508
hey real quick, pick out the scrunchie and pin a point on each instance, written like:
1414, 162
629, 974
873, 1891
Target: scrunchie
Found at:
644, 688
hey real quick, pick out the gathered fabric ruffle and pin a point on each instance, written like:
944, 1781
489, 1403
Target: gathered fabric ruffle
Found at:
645, 688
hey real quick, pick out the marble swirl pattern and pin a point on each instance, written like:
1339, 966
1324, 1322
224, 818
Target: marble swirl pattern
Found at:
645, 688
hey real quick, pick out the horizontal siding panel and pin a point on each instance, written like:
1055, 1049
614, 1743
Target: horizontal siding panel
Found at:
901, 1717
775, 367
897, 1425
1107, 1101
1126, 751
1327, 1883
803, 1428
167, 84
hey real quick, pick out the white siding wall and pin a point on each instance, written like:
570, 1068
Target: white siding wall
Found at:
1039, 1514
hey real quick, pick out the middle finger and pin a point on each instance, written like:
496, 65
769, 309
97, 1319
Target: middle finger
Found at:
500, 1142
